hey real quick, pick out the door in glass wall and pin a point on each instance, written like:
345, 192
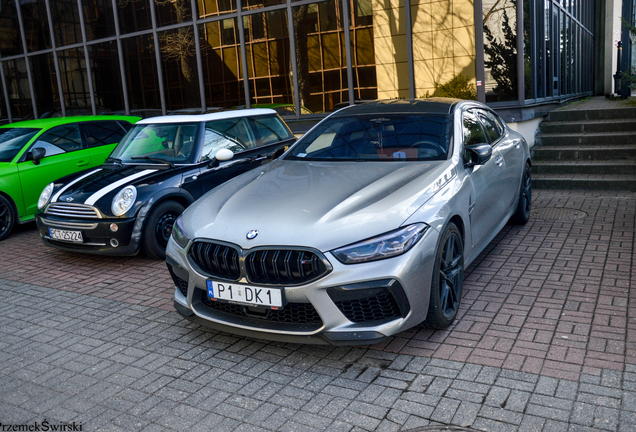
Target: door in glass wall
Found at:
269, 60
36, 25
221, 57
15, 75
106, 76
179, 68
141, 72
500, 50
66, 22
134, 15
10, 36
47, 97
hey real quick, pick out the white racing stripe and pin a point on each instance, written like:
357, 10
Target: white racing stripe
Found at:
65, 188
100, 193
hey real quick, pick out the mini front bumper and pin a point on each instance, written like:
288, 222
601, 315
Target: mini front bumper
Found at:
405, 278
98, 237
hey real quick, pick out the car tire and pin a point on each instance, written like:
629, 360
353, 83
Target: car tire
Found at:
522, 214
7, 217
447, 281
159, 227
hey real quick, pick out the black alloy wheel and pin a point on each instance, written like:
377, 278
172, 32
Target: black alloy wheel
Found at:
522, 214
448, 279
158, 228
7, 217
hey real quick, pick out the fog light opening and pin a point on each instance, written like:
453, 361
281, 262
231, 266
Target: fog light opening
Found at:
114, 243
114, 227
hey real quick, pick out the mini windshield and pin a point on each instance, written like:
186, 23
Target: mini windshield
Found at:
153, 143
377, 137
12, 140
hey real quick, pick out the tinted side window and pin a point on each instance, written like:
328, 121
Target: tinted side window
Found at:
237, 129
270, 130
103, 133
473, 132
491, 126
61, 139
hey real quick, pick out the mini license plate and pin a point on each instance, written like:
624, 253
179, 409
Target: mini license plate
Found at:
257, 296
65, 235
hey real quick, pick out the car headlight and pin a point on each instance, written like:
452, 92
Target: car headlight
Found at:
124, 200
387, 245
178, 234
45, 196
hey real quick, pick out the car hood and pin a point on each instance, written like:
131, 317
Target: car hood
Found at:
322, 205
90, 186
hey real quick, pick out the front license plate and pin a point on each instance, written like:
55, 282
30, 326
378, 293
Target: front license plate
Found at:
65, 235
256, 296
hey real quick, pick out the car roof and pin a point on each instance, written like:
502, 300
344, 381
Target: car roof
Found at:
56, 121
208, 117
413, 106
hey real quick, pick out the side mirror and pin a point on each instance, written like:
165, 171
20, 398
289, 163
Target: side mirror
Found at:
477, 154
221, 156
36, 154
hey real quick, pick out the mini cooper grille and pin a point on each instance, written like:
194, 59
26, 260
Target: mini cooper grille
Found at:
284, 267
292, 313
216, 259
79, 211
382, 306
179, 283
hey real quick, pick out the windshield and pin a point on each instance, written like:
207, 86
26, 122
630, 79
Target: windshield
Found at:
12, 140
153, 143
377, 137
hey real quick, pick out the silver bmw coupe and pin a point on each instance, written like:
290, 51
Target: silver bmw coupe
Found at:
360, 230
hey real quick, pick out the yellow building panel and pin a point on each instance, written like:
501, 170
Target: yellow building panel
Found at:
465, 66
384, 51
443, 44
423, 46
464, 41
424, 80
442, 14
381, 26
463, 13
421, 18
397, 21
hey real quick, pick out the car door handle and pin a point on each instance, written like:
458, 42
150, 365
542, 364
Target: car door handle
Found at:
259, 158
190, 179
82, 163
499, 160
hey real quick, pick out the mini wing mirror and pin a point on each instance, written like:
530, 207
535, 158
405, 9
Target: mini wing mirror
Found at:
477, 154
36, 154
221, 156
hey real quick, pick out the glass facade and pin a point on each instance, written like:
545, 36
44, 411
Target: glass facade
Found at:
298, 55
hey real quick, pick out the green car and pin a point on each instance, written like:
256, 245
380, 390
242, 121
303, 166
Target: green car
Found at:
36, 152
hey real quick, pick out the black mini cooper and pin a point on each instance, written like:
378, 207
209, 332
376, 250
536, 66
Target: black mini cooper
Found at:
159, 168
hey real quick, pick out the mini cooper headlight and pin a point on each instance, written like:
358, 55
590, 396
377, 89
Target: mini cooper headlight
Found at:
124, 200
45, 196
387, 245
178, 234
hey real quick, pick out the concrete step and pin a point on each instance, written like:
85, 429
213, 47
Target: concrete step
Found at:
621, 166
596, 114
590, 126
585, 139
615, 182
597, 152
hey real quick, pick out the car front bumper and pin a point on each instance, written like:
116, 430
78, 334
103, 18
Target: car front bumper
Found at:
403, 281
98, 237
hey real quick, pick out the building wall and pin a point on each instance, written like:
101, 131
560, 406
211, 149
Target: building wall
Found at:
443, 45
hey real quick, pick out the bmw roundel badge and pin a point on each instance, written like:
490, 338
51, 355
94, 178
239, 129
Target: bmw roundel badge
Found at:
251, 235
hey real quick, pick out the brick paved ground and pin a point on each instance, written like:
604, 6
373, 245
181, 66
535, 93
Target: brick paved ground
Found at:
546, 341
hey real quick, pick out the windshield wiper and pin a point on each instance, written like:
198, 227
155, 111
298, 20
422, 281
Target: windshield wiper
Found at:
154, 159
113, 160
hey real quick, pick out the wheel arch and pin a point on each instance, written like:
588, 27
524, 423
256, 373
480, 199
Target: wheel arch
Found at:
459, 223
